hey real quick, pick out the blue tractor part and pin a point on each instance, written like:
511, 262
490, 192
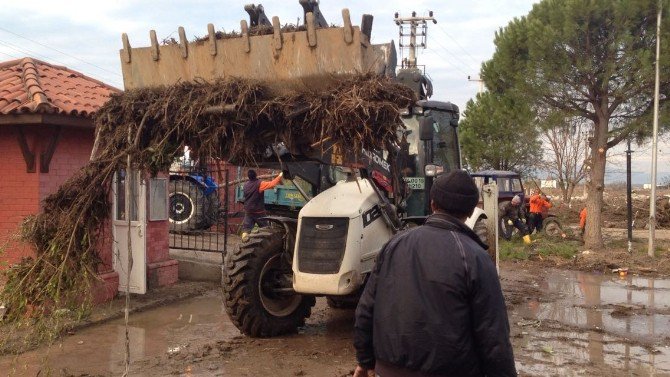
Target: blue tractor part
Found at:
194, 202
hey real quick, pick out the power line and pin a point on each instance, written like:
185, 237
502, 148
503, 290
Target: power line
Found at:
61, 52
27, 52
459, 45
10, 55
454, 55
35, 54
447, 61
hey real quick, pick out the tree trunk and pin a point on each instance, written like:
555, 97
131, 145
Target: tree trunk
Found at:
593, 238
564, 191
568, 196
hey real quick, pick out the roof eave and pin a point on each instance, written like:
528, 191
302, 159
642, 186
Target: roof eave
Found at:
33, 119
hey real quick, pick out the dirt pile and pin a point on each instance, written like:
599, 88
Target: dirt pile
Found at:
233, 119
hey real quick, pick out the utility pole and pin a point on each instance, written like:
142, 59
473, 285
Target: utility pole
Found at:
654, 157
418, 27
629, 198
481, 83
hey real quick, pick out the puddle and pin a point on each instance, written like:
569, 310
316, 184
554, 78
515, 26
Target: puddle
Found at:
159, 332
634, 307
619, 323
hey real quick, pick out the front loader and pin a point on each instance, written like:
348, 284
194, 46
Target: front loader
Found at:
357, 199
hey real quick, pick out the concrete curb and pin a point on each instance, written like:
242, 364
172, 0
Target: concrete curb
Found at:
198, 265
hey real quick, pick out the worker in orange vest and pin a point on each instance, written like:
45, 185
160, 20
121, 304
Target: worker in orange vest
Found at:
582, 220
539, 205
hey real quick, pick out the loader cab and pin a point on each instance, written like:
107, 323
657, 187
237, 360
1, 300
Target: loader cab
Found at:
429, 147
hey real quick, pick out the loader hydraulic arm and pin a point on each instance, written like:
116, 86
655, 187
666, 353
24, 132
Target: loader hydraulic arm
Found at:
257, 15
312, 6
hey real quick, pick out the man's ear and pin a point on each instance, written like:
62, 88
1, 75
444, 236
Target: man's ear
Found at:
433, 207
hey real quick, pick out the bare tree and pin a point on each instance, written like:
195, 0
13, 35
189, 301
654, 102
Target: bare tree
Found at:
566, 153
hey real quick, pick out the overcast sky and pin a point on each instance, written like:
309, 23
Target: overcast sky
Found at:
85, 36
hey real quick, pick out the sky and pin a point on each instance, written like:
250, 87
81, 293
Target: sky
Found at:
85, 36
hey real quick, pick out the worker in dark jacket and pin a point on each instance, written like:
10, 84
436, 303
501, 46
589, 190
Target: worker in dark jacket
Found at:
433, 305
254, 201
513, 213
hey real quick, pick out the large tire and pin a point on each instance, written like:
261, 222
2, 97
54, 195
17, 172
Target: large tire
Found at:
249, 274
552, 227
190, 209
481, 230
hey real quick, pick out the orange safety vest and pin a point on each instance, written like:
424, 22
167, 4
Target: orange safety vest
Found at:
582, 218
537, 204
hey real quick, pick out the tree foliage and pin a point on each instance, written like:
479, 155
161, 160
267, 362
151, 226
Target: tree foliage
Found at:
591, 59
498, 133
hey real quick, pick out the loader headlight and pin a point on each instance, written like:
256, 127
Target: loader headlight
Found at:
433, 170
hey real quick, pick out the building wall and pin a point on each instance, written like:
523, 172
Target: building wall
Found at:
22, 193
19, 191
72, 153
161, 270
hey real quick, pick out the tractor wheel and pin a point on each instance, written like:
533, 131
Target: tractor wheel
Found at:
189, 207
481, 230
553, 228
257, 287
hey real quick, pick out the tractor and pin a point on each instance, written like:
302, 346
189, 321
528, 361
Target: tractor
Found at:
354, 201
193, 198
509, 185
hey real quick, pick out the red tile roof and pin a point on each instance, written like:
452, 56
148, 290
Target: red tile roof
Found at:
29, 86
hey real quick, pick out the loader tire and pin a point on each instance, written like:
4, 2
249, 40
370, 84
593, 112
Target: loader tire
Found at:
249, 274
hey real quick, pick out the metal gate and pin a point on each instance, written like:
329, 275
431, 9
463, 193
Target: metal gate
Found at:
202, 208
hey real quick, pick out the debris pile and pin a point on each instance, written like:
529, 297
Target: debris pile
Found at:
232, 119
663, 212
253, 31
617, 212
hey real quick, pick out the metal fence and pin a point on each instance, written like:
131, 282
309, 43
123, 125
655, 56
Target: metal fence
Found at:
202, 204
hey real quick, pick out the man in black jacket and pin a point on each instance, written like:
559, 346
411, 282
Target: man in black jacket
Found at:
433, 305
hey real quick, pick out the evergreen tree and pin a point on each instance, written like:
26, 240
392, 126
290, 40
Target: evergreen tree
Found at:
497, 132
592, 59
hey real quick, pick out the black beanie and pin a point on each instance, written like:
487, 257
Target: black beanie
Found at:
455, 193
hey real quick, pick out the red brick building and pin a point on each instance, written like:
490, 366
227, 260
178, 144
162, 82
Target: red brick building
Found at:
46, 135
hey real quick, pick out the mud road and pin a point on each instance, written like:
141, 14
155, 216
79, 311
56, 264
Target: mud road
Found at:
562, 323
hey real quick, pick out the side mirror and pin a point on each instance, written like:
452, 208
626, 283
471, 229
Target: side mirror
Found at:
426, 130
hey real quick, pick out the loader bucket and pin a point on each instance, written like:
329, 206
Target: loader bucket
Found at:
281, 59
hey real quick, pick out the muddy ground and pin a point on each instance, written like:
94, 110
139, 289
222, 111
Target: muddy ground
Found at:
562, 323
570, 315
